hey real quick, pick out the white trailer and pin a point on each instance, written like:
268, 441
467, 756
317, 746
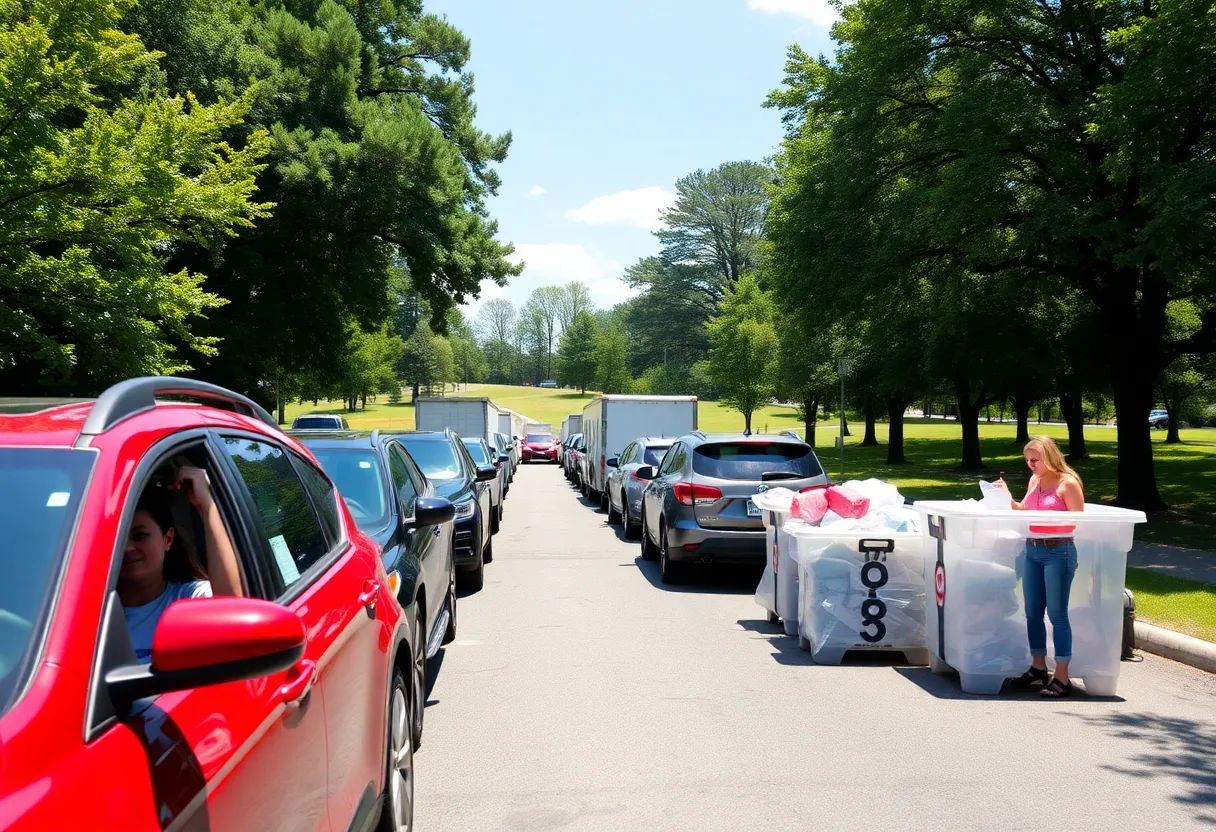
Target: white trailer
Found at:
610, 423
510, 423
471, 418
538, 427
571, 425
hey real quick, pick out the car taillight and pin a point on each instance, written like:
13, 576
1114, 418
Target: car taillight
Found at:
689, 493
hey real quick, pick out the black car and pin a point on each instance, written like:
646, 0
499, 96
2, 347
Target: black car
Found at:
394, 505
445, 461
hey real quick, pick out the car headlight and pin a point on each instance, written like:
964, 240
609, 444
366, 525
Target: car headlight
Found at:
464, 510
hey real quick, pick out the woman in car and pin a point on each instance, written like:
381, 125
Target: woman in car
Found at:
1049, 564
158, 566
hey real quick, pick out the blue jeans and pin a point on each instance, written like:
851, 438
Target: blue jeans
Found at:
1046, 583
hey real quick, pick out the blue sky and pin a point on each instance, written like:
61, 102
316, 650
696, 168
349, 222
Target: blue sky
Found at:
609, 104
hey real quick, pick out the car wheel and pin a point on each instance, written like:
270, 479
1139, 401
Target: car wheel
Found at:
631, 528
495, 514
398, 814
419, 681
613, 516
649, 550
487, 554
449, 635
473, 579
670, 572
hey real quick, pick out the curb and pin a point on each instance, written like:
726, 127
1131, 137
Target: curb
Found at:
1182, 648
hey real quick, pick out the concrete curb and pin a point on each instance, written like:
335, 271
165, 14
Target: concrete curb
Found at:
1182, 648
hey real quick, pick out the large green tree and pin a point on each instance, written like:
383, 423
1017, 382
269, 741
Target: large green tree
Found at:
612, 362
744, 349
577, 354
102, 172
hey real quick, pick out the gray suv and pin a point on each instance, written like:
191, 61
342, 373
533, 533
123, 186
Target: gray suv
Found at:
697, 506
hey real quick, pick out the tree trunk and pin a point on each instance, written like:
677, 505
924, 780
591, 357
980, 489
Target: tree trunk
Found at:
845, 421
1022, 408
871, 438
364, 398
747, 421
1171, 432
1074, 416
895, 440
414, 393
969, 419
811, 407
1134, 381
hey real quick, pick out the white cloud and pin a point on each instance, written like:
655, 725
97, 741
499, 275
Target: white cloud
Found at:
536, 190
552, 264
819, 12
639, 208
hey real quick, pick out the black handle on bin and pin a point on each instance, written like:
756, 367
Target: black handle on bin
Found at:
872, 545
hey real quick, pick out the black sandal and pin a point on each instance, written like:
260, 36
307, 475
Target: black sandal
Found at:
1057, 689
1033, 676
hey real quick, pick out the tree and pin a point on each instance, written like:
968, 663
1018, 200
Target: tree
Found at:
612, 364
1184, 379
717, 218
578, 354
543, 311
496, 326
744, 349
805, 370
420, 362
470, 361
369, 365
666, 322
575, 299
95, 188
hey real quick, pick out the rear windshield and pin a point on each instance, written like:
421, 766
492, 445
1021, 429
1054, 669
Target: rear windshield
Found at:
313, 422
478, 452
436, 458
750, 460
358, 477
40, 494
654, 454
538, 438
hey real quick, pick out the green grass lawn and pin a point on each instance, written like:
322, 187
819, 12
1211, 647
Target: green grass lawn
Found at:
1174, 603
1186, 473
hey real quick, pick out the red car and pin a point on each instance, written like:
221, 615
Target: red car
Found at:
539, 446
284, 706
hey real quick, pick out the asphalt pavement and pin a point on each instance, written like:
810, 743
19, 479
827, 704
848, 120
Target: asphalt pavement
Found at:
582, 694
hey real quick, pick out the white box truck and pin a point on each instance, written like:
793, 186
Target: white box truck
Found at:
471, 418
571, 425
510, 423
610, 423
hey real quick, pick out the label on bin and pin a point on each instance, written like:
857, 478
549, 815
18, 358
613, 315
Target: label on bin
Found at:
939, 584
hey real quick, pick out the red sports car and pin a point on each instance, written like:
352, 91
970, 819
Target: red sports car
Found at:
540, 446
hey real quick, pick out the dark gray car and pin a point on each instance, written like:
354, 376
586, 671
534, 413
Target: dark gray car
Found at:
697, 505
623, 485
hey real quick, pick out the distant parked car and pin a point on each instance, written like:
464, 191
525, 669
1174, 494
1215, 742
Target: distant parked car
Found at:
502, 444
698, 507
320, 421
570, 455
549, 384
539, 446
1159, 419
484, 455
624, 489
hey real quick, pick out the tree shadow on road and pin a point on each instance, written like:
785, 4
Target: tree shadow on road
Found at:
1160, 746
719, 579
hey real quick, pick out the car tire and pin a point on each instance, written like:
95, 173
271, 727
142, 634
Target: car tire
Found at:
649, 550
449, 635
631, 528
670, 571
398, 812
495, 514
613, 515
418, 683
487, 554
473, 579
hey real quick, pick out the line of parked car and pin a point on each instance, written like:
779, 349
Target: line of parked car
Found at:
688, 500
295, 701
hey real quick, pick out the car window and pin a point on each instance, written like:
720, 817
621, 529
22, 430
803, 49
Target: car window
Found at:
436, 458
467, 458
323, 498
538, 438
478, 452
315, 422
403, 483
356, 472
749, 460
288, 523
668, 463
654, 454
623, 459
40, 494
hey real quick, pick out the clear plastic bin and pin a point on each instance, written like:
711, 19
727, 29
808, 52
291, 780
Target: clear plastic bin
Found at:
777, 591
976, 621
860, 591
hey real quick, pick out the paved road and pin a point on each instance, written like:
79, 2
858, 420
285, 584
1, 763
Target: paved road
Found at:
1172, 560
582, 695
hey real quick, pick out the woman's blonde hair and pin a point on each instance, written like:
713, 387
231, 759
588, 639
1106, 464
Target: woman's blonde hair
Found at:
1053, 459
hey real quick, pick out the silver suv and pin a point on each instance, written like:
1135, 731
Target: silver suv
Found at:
697, 507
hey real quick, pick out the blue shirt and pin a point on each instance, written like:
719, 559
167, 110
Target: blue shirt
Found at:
142, 621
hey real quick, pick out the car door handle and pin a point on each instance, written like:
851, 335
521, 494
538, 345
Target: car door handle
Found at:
292, 693
370, 594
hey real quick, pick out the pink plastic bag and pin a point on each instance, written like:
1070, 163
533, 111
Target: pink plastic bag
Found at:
847, 502
810, 506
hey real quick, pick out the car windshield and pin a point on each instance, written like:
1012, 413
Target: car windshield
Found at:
313, 422
436, 458
654, 454
538, 438
750, 460
478, 452
40, 494
357, 474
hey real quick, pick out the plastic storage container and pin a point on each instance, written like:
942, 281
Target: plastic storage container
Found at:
860, 591
976, 623
777, 591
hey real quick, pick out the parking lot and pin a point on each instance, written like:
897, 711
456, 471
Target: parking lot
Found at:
582, 694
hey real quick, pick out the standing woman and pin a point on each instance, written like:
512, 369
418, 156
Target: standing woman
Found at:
1050, 564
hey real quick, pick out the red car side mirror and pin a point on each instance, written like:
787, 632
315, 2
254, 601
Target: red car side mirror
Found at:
209, 641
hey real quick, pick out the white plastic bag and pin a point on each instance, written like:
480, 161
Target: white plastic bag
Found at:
995, 497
